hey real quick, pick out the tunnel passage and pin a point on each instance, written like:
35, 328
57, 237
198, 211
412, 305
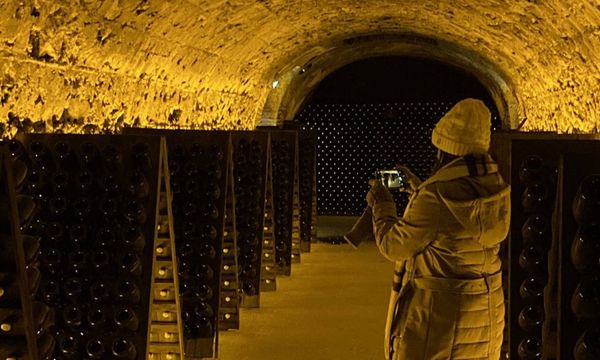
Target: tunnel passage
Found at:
375, 113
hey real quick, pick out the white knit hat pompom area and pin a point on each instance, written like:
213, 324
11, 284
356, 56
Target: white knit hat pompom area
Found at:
465, 129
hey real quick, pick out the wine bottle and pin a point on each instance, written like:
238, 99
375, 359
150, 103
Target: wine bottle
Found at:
185, 269
124, 348
585, 302
96, 318
532, 258
588, 345
64, 155
109, 207
86, 183
204, 272
135, 212
530, 348
209, 232
110, 185
138, 185
248, 288
125, 318
89, 156
130, 264
82, 209
77, 262
536, 197
141, 157
55, 233
537, 230
128, 292
206, 252
531, 169
61, 183
73, 289
100, 261
249, 255
72, 316
196, 152
106, 237
586, 204
249, 271
134, 237
50, 291
585, 249
41, 156
204, 327
531, 317
210, 211
78, 235
112, 158
178, 152
99, 291
69, 346
204, 292
51, 261
95, 348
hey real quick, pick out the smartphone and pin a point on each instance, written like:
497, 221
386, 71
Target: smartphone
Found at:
392, 179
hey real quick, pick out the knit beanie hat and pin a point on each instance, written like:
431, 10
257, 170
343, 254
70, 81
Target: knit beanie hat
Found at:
464, 129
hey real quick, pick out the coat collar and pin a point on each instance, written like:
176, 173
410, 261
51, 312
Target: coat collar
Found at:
457, 168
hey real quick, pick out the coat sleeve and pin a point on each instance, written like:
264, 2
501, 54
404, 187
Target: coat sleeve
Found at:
402, 238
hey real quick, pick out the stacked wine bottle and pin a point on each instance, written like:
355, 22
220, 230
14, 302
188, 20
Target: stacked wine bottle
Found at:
249, 155
306, 141
537, 206
25, 324
283, 167
198, 167
585, 260
96, 198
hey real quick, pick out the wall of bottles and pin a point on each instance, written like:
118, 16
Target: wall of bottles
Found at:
24, 322
95, 213
107, 235
250, 174
354, 140
306, 176
283, 157
553, 258
198, 164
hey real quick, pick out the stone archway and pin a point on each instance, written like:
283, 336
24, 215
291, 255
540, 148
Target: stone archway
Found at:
301, 74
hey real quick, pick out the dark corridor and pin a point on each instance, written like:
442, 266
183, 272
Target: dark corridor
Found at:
376, 113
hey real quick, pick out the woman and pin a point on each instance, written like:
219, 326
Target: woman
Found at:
447, 301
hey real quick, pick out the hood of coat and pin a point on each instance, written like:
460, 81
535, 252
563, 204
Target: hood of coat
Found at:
480, 203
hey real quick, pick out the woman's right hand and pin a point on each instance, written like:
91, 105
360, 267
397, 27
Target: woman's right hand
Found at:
413, 180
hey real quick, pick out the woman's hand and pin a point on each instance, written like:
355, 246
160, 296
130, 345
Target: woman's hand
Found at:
378, 193
413, 180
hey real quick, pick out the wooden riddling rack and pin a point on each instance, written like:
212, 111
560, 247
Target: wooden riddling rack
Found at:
24, 322
307, 186
166, 325
268, 273
284, 160
250, 159
200, 166
553, 257
96, 198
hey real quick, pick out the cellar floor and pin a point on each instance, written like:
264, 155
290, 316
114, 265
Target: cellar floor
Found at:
332, 307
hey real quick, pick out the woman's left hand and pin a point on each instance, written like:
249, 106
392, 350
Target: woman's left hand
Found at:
378, 193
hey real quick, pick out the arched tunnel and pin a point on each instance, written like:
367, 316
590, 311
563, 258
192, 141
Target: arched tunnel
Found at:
178, 177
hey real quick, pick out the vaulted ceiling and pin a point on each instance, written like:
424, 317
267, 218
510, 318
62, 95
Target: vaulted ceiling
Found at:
211, 64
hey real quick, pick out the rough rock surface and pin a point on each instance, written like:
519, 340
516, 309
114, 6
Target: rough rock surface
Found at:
89, 66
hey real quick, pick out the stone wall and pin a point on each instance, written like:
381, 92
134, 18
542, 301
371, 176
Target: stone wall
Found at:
90, 66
